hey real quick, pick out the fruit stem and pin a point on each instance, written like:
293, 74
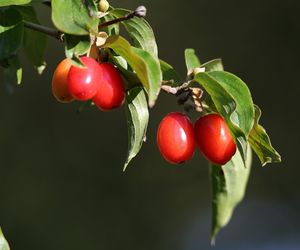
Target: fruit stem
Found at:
43, 29
139, 12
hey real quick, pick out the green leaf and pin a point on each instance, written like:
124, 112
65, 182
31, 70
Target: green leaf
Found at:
244, 112
11, 32
3, 243
139, 30
213, 65
260, 142
169, 73
13, 2
77, 45
17, 2
137, 121
34, 43
228, 189
191, 60
142, 62
75, 17
12, 74
233, 101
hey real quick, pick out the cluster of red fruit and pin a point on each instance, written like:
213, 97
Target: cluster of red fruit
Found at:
177, 138
99, 82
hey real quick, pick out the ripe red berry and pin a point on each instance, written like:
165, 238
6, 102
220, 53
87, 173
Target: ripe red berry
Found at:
60, 83
214, 139
111, 93
175, 138
83, 83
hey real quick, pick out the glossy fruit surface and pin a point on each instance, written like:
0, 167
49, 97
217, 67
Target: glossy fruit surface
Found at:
111, 93
83, 83
175, 138
214, 139
60, 83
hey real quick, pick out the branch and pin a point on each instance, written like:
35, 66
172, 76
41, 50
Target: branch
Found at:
175, 90
139, 12
46, 30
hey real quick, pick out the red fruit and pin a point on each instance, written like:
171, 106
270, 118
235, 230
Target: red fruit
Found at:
60, 83
83, 83
112, 91
214, 139
175, 138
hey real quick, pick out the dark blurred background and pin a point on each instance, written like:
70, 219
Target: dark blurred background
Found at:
61, 184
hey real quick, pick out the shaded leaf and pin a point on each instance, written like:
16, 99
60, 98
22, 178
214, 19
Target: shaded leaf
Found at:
137, 121
213, 65
229, 184
143, 64
233, 101
169, 73
34, 42
191, 60
139, 30
11, 32
12, 73
75, 17
260, 142
76, 45
3, 243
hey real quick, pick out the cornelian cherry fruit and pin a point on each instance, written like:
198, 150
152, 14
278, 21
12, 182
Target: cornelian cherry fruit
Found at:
111, 93
214, 139
84, 83
175, 138
60, 83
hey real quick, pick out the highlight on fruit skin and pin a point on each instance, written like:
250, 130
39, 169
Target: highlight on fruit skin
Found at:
214, 139
111, 93
175, 138
83, 83
60, 82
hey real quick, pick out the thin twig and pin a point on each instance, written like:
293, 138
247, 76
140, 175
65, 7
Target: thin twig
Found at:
139, 12
175, 90
43, 29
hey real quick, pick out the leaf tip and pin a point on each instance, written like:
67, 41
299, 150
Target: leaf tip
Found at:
151, 104
125, 167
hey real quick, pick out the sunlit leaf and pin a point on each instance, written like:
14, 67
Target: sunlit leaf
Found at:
139, 30
18, 2
75, 17
145, 65
191, 60
3, 243
233, 101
